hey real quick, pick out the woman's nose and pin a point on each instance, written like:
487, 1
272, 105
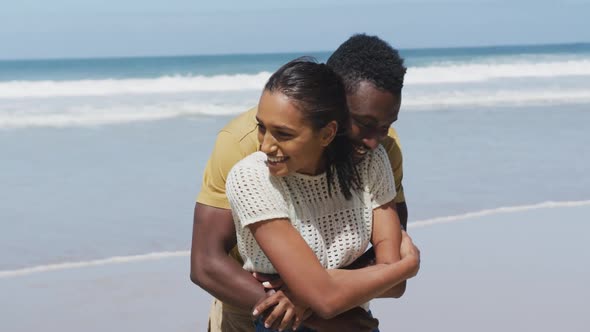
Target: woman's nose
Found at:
268, 144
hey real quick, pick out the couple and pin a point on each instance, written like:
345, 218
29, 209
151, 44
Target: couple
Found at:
306, 205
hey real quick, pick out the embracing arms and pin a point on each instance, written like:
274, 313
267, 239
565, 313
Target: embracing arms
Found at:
211, 267
326, 293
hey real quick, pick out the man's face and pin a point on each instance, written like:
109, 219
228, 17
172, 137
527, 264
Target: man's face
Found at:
372, 112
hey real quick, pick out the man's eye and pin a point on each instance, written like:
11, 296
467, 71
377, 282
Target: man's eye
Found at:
261, 128
363, 125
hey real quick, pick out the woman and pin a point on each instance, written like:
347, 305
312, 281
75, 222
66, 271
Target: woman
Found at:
301, 205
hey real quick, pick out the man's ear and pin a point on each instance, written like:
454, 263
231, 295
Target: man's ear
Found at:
328, 133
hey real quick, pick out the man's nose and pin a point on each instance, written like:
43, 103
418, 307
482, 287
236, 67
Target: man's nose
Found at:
371, 142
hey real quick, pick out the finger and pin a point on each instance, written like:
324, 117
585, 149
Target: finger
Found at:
268, 302
278, 311
287, 319
297, 322
276, 283
406, 237
299, 319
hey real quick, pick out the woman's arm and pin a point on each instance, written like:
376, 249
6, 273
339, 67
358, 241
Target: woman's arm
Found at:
327, 295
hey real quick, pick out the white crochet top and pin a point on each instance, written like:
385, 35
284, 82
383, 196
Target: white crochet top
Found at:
337, 230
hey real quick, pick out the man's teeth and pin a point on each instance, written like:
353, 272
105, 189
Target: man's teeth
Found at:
361, 150
276, 159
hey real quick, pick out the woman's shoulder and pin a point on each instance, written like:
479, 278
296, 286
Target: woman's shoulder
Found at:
376, 155
251, 169
254, 161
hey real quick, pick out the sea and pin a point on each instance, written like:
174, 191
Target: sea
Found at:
101, 161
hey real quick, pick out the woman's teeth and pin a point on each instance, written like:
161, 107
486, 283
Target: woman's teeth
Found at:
276, 159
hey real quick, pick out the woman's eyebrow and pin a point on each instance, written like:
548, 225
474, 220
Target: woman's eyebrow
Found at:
279, 127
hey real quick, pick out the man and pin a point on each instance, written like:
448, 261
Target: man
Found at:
373, 75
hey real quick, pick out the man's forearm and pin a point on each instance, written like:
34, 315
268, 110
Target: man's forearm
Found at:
366, 259
225, 279
211, 267
402, 212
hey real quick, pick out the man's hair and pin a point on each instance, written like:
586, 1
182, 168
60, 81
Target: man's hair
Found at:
368, 58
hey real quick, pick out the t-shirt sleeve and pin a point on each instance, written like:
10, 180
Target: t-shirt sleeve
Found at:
254, 195
224, 156
394, 152
381, 181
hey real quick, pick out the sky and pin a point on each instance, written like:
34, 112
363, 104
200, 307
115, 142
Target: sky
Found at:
101, 28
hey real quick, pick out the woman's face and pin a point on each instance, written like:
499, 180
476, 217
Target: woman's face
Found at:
288, 140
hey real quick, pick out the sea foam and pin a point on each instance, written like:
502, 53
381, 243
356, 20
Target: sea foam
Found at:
433, 74
184, 253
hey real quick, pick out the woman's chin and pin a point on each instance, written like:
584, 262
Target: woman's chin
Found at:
277, 170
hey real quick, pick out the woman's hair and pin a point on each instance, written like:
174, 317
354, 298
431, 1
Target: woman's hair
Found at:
318, 92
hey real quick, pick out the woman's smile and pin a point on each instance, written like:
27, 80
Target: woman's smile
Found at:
275, 161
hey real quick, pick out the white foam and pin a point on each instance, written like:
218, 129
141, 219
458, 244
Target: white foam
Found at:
97, 262
435, 74
169, 254
520, 97
479, 72
500, 210
83, 113
88, 116
109, 87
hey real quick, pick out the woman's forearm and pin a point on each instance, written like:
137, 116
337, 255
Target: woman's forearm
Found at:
356, 287
327, 295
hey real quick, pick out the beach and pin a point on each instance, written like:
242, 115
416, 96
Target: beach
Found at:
101, 163
508, 270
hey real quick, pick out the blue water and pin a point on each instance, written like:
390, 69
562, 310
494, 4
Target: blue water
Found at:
103, 157
151, 67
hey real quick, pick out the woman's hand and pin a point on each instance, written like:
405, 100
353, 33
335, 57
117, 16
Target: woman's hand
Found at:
280, 311
409, 251
269, 281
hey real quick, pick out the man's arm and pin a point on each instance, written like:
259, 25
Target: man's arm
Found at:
402, 213
211, 267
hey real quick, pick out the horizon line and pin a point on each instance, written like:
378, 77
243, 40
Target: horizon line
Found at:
401, 49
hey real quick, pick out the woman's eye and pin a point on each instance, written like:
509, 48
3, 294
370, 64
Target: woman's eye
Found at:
284, 135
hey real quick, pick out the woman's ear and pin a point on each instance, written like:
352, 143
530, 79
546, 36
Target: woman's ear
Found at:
328, 133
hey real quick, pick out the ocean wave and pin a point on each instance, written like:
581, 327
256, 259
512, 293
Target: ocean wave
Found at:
93, 113
185, 253
480, 72
435, 74
495, 211
523, 97
109, 87
96, 262
89, 116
